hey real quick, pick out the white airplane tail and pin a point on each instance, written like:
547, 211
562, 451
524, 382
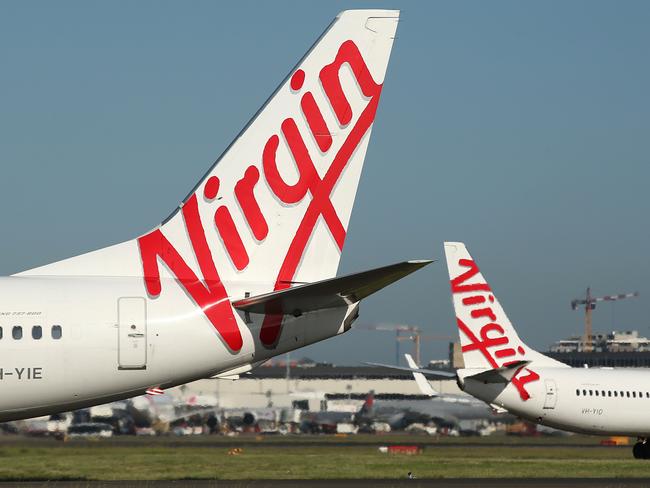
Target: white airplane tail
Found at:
488, 339
274, 209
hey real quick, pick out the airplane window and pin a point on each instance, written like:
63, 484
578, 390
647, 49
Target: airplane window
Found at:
609, 393
596, 392
628, 394
577, 392
615, 393
623, 394
647, 395
634, 394
56, 332
591, 392
0, 332
17, 332
640, 395
602, 393
37, 332
584, 392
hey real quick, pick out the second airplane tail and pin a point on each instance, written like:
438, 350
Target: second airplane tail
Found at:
487, 337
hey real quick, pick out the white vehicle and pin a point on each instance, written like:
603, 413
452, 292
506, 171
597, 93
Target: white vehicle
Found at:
241, 271
504, 372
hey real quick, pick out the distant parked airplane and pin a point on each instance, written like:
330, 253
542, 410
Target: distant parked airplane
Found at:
243, 270
503, 371
448, 407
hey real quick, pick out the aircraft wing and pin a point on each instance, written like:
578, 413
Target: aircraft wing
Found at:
432, 373
330, 293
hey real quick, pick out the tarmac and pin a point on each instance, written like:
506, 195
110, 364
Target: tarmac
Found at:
425, 483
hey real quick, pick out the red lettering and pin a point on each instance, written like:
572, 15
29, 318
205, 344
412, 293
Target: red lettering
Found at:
492, 334
504, 353
211, 188
251, 209
329, 76
457, 283
520, 383
476, 344
473, 300
321, 203
486, 342
210, 295
484, 312
231, 238
316, 122
286, 193
297, 80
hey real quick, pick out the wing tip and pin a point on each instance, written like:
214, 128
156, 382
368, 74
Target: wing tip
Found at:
395, 13
420, 262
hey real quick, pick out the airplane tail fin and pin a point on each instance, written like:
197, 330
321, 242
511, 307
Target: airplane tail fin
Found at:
367, 407
274, 209
424, 386
487, 337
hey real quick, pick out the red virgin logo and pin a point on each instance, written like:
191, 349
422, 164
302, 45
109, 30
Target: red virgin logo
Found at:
493, 343
209, 293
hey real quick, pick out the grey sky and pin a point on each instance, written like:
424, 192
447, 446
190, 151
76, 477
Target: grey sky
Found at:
520, 128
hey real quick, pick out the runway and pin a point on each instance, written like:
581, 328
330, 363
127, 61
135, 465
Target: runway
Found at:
406, 483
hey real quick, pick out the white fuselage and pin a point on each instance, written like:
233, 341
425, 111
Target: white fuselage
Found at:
116, 342
597, 401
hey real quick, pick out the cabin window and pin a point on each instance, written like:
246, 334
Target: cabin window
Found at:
640, 395
602, 393
634, 394
584, 392
0, 332
17, 332
596, 392
56, 332
609, 393
37, 332
627, 393
577, 392
591, 392
615, 393
622, 394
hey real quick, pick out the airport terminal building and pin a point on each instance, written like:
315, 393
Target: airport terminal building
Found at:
320, 386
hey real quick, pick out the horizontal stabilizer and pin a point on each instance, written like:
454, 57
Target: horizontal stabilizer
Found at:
235, 373
504, 374
331, 293
431, 373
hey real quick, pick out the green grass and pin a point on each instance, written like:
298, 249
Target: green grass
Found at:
152, 459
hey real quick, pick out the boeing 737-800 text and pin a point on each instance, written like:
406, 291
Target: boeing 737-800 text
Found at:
242, 271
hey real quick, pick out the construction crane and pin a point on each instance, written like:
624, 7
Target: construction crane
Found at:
589, 303
403, 333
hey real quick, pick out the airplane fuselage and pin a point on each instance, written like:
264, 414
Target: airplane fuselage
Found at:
597, 401
70, 342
